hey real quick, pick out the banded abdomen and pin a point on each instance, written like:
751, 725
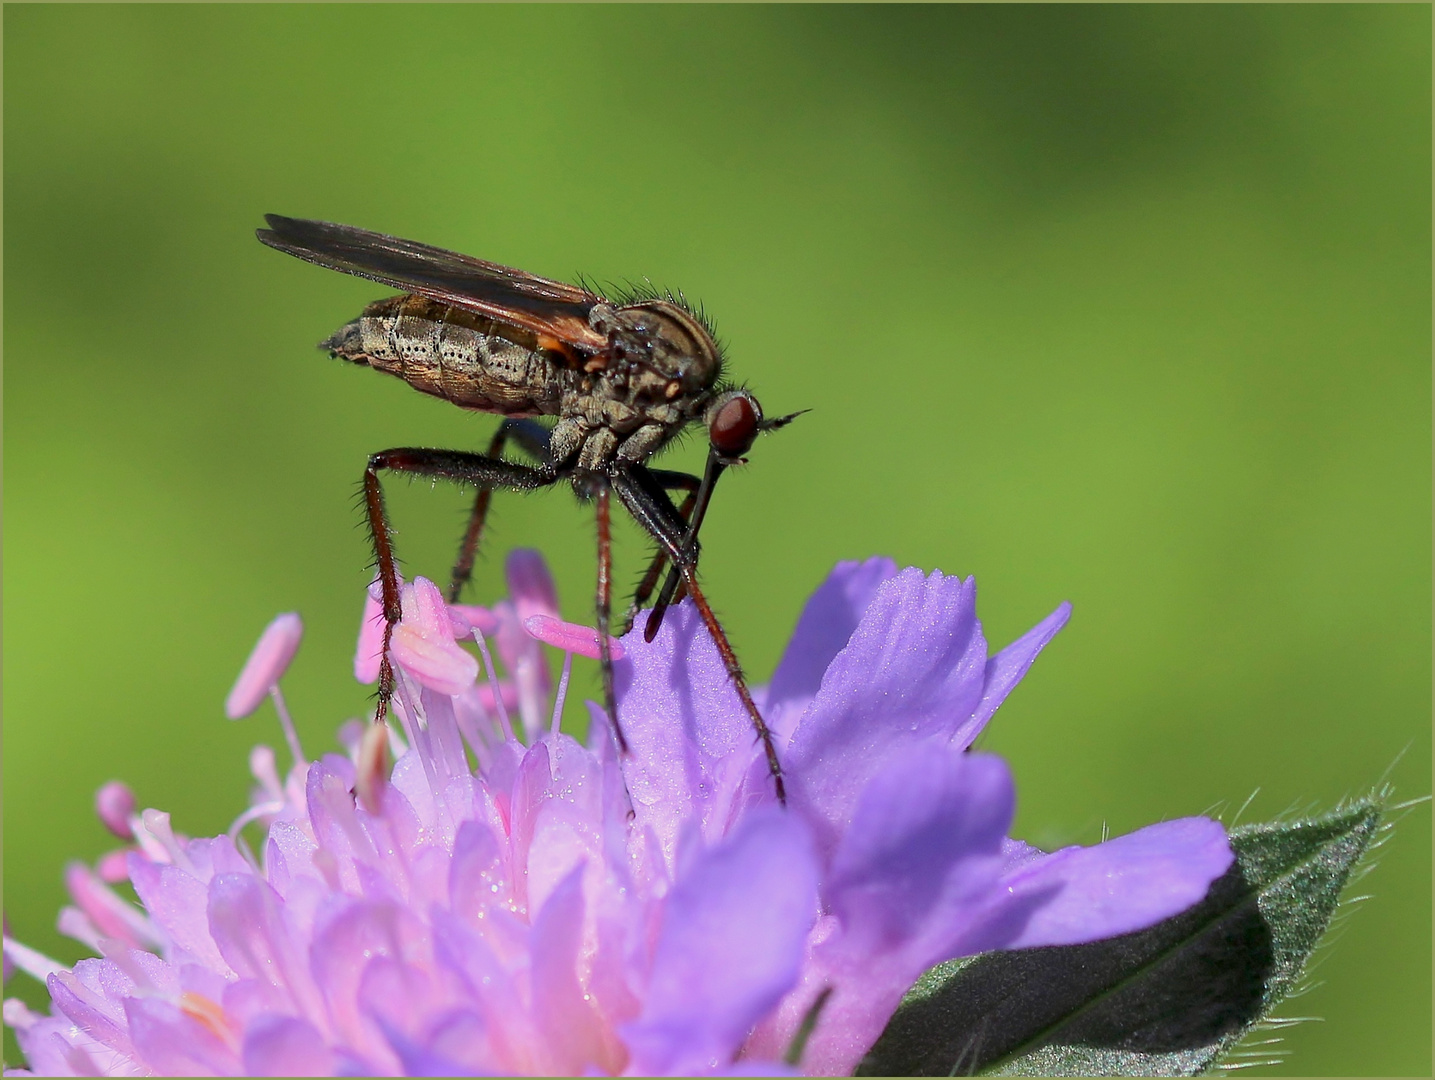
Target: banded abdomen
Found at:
457, 355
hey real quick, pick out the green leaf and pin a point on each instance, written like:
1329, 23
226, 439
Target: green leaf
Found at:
1167, 1001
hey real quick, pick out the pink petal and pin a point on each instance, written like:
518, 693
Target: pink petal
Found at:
328, 792
371, 641
456, 1045
286, 1046
347, 943
398, 997
568, 1025
424, 643
467, 957
249, 929
478, 878
442, 667
111, 914
530, 585
265, 666
174, 1042
570, 637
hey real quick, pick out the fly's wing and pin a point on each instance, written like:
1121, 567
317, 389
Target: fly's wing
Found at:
547, 308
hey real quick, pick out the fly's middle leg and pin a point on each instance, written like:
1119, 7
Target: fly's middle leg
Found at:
603, 606
528, 436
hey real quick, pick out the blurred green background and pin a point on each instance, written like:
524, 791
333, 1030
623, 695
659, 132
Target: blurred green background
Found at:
1123, 305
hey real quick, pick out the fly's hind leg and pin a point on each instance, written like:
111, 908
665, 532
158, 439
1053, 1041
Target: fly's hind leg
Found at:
482, 471
651, 508
528, 436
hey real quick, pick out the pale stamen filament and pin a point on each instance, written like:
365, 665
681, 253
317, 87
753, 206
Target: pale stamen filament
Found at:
287, 722
562, 692
493, 682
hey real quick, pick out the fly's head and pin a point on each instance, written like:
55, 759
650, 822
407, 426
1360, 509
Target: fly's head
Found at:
734, 421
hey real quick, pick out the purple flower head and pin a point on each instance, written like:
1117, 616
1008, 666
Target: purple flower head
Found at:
490, 905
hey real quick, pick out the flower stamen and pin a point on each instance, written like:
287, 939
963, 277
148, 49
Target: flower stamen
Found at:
31, 961
291, 736
562, 694
266, 665
570, 637
493, 683
115, 804
254, 813
210, 1014
372, 768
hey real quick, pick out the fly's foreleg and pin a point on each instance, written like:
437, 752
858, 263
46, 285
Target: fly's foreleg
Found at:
672, 481
676, 585
479, 470
655, 513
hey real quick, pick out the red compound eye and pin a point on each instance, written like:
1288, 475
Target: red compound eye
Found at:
734, 425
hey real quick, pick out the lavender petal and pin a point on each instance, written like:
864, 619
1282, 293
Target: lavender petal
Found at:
1006, 668
926, 836
1117, 887
823, 630
912, 670
689, 738
96, 1017
176, 901
731, 945
922, 854
173, 1043
569, 1030
249, 928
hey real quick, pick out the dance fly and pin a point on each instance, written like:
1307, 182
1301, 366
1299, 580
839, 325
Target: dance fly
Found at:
621, 377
